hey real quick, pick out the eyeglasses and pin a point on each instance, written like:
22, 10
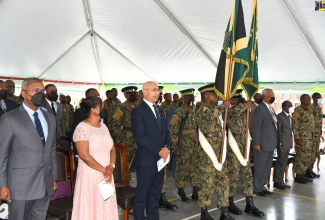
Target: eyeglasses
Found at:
36, 90
153, 90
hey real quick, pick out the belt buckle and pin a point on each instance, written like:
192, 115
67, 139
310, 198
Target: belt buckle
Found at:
209, 135
220, 134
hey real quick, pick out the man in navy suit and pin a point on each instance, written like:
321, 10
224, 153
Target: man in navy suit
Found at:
6, 105
152, 137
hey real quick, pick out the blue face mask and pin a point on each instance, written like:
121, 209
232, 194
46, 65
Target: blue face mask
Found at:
319, 101
220, 102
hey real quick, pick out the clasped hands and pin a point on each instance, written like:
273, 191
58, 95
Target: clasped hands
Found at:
163, 153
108, 173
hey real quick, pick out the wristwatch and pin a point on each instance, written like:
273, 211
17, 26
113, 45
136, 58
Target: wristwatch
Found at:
113, 165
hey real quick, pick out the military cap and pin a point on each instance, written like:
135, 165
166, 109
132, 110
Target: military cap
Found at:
206, 88
128, 89
187, 92
238, 93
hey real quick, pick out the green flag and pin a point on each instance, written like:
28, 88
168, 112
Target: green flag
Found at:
250, 84
234, 58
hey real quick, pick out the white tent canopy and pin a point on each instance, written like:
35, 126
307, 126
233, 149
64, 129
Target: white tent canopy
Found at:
168, 41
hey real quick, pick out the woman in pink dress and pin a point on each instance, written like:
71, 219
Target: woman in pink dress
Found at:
96, 162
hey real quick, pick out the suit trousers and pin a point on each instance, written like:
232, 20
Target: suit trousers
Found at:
149, 185
262, 168
280, 166
29, 209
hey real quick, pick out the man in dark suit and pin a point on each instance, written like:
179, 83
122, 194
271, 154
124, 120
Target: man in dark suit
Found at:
27, 155
285, 132
265, 139
152, 137
6, 105
55, 108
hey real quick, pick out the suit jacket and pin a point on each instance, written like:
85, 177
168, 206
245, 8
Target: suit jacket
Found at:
285, 130
148, 137
263, 129
59, 118
10, 104
26, 166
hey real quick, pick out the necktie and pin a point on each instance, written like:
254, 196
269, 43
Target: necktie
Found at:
274, 117
290, 120
158, 118
53, 109
39, 128
2, 106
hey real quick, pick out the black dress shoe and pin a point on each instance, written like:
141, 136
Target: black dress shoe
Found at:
268, 192
278, 185
300, 179
260, 193
315, 175
286, 186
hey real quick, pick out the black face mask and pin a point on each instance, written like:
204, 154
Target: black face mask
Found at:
38, 99
3, 94
272, 100
53, 96
132, 97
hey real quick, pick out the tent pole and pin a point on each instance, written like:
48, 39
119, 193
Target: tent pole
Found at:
305, 34
66, 52
182, 28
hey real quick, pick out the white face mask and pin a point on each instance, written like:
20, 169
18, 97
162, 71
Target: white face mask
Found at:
220, 102
291, 110
320, 101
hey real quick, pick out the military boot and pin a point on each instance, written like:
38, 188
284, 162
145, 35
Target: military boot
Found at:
233, 208
250, 207
164, 203
181, 195
205, 214
300, 179
309, 174
195, 195
225, 214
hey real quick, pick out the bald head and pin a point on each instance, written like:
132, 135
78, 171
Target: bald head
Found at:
150, 91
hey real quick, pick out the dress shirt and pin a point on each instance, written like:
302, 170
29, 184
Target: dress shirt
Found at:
54, 104
151, 106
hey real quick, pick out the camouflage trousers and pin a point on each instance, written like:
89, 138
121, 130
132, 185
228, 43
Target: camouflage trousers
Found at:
303, 156
315, 149
212, 180
186, 167
234, 168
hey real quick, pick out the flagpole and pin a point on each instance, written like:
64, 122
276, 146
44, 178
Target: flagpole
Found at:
226, 110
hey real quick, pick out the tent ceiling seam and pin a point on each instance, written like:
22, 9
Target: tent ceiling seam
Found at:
184, 31
65, 53
93, 40
121, 54
305, 34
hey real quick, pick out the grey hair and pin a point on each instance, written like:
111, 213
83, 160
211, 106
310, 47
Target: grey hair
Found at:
28, 81
264, 92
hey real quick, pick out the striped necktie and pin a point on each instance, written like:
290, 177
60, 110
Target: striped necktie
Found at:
158, 118
39, 128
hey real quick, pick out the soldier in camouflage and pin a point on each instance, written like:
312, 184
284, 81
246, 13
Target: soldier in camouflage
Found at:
237, 124
303, 130
11, 91
185, 143
67, 117
207, 117
122, 122
318, 118
110, 105
167, 104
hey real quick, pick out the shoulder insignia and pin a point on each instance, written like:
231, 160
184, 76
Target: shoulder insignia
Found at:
174, 120
118, 113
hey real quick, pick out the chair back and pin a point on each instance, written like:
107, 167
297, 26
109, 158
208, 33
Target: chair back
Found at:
120, 174
64, 142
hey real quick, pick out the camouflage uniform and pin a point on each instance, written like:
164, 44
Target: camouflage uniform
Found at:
167, 108
122, 128
303, 128
110, 109
187, 162
17, 99
67, 116
211, 179
318, 118
237, 124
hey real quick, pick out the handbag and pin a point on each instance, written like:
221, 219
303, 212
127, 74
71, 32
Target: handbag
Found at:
63, 191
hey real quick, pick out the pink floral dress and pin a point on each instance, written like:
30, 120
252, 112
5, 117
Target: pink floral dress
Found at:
88, 202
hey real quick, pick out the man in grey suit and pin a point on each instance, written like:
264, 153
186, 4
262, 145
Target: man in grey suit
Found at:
265, 139
27, 155
285, 132
55, 108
